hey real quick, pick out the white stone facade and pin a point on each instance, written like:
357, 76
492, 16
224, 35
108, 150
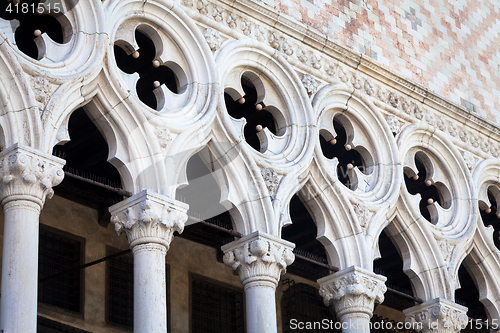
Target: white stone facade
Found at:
305, 81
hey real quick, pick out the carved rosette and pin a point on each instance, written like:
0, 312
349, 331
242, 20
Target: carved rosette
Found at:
259, 259
438, 316
29, 174
148, 217
353, 292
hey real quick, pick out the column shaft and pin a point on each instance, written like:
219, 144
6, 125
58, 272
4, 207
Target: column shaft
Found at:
150, 303
260, 260
20, 267
149, 221
260, 307
27, 178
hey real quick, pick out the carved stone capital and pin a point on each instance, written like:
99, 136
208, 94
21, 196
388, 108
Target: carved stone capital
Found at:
353, 292
148, 217
259, 259
438, 316
28, 174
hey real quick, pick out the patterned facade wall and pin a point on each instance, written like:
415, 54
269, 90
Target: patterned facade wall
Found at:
449, 46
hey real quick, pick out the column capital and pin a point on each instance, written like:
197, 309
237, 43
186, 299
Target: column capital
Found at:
259, 259
149, 217
353, 290
437, 315
28, 174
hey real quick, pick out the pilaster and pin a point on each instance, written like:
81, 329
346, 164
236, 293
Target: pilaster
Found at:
437, 316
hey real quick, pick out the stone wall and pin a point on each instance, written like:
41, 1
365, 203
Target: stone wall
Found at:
448, 46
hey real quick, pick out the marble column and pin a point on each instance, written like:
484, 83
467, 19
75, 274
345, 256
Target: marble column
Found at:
149, 221
437, 316
259, 259
353, 293
28, 176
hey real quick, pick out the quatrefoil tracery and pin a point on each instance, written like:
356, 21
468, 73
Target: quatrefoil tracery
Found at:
490, 212
38, 28
423, 179
354, 161
262, 122
150, 70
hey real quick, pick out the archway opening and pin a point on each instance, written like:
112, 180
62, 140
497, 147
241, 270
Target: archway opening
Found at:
302, 232
89, 178
390, 265
468, 295
203, 194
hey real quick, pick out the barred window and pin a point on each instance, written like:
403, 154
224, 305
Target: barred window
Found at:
121, 291
216, 308
59, 282
303, 303
45, 325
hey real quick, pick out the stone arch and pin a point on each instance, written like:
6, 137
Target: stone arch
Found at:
449, 238
279, 91
19, 118
365, 208
485, 283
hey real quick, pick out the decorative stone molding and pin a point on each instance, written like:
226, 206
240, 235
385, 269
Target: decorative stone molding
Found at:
213, 39
445, 247
469, 159
408, 98
310, 84
394, 124
259, 259
271, 180
148, 217
353, 291
28, 174
164, 137
42, 89
437, 315
363, 214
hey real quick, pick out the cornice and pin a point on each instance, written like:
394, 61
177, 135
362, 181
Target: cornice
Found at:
290, 37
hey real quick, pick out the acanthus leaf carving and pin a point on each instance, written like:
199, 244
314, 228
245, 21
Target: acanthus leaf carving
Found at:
437, 315
28, 174
353, 287
259, 258
149, 217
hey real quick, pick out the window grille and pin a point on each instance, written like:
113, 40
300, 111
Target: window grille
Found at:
59, 254
121, 291
45, 325
303, 303
216, 309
